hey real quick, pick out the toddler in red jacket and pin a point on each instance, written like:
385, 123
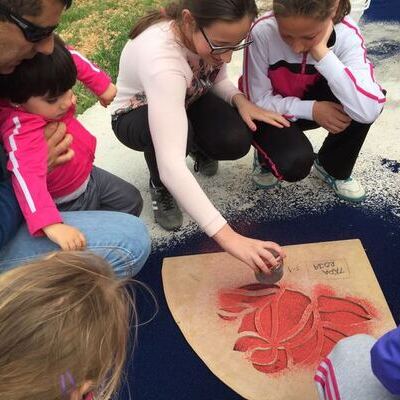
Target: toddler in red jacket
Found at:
39, 91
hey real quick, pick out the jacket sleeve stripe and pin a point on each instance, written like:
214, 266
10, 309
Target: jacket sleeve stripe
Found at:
363, 91
15, 166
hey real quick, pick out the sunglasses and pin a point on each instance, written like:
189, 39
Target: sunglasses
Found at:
224, 49
32, 32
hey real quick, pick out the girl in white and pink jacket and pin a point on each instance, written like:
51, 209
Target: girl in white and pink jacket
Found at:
308, 62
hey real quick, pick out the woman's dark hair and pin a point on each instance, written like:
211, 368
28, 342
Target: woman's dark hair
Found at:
43, 75
318, 9
205, 12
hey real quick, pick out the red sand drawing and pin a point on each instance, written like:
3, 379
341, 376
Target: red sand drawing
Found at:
282, 327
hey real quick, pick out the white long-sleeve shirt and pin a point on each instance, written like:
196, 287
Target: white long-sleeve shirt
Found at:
158, 71
276, 78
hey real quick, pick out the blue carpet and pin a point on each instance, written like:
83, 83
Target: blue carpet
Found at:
164, 367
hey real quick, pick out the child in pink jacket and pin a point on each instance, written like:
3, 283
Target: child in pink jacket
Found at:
40, 91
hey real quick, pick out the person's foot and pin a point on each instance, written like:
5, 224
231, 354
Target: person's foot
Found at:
166, 211
203, 164
261, 176
347, 189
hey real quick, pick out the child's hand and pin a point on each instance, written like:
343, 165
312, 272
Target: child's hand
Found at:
250, 112
108, 96
320, 50
331, 116
66, 236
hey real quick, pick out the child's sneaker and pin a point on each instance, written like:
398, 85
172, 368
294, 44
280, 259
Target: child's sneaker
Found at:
348, 189
261, 176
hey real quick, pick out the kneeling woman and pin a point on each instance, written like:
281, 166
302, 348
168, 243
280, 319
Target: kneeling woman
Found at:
174, 97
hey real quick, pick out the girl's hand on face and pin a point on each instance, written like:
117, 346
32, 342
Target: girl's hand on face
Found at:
250, 112
320, 50
66, 236
255, 253
108, 96
330, 116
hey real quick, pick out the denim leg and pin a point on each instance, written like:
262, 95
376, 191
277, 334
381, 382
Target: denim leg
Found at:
120, 238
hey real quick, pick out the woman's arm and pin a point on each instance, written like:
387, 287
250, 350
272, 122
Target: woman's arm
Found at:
168, 125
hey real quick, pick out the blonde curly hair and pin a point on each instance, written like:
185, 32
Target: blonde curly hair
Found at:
64, 321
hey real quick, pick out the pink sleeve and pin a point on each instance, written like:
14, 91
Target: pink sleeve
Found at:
25, 143
89, 74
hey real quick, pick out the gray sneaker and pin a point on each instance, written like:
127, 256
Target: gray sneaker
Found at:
166, 212
262, 177
203, 164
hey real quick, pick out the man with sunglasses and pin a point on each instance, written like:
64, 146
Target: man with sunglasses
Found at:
26, 28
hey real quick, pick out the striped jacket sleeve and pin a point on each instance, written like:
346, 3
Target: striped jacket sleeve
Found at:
27, 149
95, 79
350, 76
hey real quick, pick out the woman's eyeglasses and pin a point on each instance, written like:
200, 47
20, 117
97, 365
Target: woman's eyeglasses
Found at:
224, 49
32, 32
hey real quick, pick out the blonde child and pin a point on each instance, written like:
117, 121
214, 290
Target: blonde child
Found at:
64, 329
37, 92
308, 62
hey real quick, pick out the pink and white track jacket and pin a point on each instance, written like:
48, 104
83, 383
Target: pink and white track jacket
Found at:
276, 78
22, 134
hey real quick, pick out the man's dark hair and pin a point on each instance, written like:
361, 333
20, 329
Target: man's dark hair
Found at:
43, 75
31, 8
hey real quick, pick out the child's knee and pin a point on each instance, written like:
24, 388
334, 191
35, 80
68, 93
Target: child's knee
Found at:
297, 166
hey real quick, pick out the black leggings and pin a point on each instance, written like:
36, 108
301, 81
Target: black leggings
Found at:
215, 128
288, 153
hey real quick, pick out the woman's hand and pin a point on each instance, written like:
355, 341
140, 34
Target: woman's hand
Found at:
320, 50
250, 112
255, 253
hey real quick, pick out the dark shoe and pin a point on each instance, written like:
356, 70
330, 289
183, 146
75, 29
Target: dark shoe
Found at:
203, 164
166, 212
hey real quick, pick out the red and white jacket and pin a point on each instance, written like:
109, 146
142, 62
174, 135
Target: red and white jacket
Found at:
22, 134
276, 78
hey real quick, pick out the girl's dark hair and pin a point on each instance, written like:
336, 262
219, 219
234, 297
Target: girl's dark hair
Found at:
318, 9
205, 12
43, 75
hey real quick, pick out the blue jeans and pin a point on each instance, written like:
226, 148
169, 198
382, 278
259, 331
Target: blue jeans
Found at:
121, 239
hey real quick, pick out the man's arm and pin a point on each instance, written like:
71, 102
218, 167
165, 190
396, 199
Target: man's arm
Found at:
58, 143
